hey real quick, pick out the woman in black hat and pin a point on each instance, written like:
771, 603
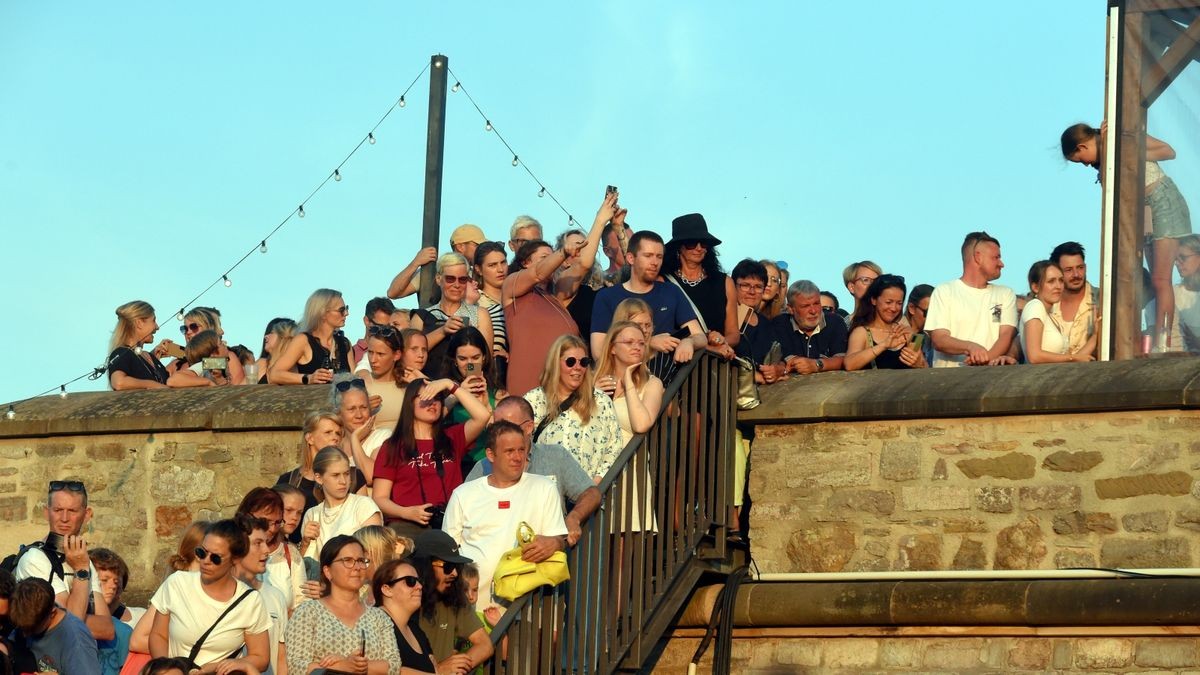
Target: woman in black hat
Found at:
690, 262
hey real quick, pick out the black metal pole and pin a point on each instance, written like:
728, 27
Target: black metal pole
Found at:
435, 147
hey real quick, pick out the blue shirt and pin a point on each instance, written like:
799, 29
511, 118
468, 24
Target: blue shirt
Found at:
68, 648
668, 304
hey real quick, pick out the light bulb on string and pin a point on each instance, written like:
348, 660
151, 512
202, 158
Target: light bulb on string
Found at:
262, 247
456, 87
371, 138
225, 278
542, 192
402, 102
12, 412
179, 316
516, 160
570, 221
337, 175
300, 210
62, 391
488, 126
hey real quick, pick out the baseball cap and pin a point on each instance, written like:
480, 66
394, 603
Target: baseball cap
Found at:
467, 232
437, 544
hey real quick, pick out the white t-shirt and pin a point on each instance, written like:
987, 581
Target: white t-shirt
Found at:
484, 520
192, 611
345, 518
277, 610
135, 615
1053, 340
1187, 317
287, 578
971, 314
35, 564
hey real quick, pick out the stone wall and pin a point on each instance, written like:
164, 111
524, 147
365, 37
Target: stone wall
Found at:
759, 654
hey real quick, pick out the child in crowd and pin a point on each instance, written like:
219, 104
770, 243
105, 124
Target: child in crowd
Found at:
203, 345
339, 512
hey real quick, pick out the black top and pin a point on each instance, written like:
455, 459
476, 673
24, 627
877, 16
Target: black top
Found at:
308, 487
757, 339
321, 357
142, 366
421, 662
580, 309
889, 359
709, 298
829, 340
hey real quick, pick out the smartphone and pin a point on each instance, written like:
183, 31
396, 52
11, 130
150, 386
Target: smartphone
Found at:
472, 368
609, 190
215, 363
174, 351
918, 341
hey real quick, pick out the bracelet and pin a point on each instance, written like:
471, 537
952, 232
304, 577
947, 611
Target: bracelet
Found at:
454, 388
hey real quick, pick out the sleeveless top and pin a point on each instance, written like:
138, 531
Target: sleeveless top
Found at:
135, 365
709, 298
889, 360
535, 320
339, 362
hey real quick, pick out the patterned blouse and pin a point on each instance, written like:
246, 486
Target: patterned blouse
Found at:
314, 632
595, 445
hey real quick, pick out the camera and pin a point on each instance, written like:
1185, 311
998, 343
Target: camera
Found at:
437, 513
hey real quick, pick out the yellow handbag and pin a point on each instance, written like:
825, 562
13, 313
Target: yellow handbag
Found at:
515, 577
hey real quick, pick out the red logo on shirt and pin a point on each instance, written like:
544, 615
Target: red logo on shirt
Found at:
504, 505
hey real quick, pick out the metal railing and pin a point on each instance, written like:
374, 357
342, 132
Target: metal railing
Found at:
667, 502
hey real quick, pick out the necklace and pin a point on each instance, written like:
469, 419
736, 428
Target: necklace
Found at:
330, 514
689, 282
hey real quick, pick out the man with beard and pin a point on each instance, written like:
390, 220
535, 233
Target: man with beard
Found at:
676, 329
972, 321
813, 341
1076, 312
1187, 295
446, 615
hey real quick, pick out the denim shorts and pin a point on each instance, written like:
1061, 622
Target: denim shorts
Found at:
1169, 212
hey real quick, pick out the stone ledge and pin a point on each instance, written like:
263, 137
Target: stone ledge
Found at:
249, 408
1140, 384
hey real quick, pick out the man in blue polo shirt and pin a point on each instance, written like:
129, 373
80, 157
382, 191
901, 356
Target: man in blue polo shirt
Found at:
810, 343
670, 307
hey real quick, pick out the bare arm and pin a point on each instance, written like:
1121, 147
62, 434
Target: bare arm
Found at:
158, 635
381, 492
732, 334
485, 325
585, 257
122, 382
643, 410
1000, 347
1158, 151
523, 281
947, 344
280, 372
139, 641
858, 354
587, 503
402, 284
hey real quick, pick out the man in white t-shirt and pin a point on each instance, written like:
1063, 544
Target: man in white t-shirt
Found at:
71, 574
483, 515
251, 570
972, 321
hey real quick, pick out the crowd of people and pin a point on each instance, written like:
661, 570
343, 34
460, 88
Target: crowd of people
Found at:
504, 401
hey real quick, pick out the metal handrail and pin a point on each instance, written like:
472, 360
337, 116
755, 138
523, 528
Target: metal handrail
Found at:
667, 492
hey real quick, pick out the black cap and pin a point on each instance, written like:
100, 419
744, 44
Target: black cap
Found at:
439, 545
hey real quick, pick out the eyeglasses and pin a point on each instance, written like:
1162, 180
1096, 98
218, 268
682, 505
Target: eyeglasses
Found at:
630, 343
381, 330
1182, 257
585, 362
194, 327
773, 281
343, 310
693, 244
203, 554
751, 288
864, 280
68, 485
351, 563
409, 580
447, 568
347, 385
453, 280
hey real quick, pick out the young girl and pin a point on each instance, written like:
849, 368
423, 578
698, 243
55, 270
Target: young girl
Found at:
339, 512
1169, 213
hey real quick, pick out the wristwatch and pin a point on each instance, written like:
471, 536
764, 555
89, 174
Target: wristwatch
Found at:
304, 379
83, 575
820, 365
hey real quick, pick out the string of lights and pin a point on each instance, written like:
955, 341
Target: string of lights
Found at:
298, 212
489, 127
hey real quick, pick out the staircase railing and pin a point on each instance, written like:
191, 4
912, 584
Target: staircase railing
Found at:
667, 503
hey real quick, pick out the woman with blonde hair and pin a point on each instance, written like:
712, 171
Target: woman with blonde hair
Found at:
661, 364
320, 430
571, 412
198, 320
382, 546
276, 338
324, 351
453, 312
129, 367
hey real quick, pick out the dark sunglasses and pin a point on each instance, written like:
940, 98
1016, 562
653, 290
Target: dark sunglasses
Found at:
380, 330
447, 568
343, 310
586, 361
451, 279
346, 385
693, 243
203, 554
409, 580
68, 485
189, 326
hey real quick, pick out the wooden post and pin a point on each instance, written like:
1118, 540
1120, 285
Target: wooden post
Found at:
1127, 139
435, 147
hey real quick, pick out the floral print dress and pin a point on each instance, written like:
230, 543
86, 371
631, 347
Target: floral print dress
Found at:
595, 445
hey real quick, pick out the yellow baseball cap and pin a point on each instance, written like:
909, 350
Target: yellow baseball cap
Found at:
467, 232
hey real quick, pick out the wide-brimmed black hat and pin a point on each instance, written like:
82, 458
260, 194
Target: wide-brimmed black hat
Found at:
691, 227
437, 544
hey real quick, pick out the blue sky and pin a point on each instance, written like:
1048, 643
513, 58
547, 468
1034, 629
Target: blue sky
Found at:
145, 146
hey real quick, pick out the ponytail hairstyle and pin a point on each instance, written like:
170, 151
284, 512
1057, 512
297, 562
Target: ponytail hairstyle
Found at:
1076, 135
127, 314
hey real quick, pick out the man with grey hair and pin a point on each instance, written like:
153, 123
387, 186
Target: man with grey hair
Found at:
810, 343
524, 229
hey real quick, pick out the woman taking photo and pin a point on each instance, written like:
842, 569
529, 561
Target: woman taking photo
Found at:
276, 338
421, 464
469, 362
189, 603
573, 413
690, 262
340, 512
878, 337
491, 268
454, 311
320, 430
338, 631
1043, 337
129, 367
576, 281
324, 351
397, 591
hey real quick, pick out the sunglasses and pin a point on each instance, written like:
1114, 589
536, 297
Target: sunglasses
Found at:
194, 327
380, 330
346, 385
585, 362
343, 310
203, 554
68, 485
453, 280
409, 580
447, 568
351, 563
693, 244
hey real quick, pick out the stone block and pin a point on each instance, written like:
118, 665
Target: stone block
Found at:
1171, 484
218, 455
1188, 519
878, 502
935, 498
170, 521
999, 446
1049, 442
939, 469
1074, 558
826, 548
1102, 653
951, 448
1021, 546
1072, 461
1013, 466
1145, 553
994, 499
47, 450
8, 471
1078, 522
1149, 521
900, 461
1062, 656
957, 655
176, 485
881, 431
919, 552
1167, 652
8, 488
110, 452
14, 509
902, 653
970, 556
803, 653
830, 469
1050, 497
964, 525
1156, 455
925, 430
12, 452
851, 653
